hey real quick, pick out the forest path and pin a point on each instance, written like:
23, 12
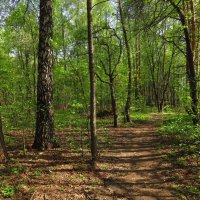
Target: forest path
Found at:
132, 166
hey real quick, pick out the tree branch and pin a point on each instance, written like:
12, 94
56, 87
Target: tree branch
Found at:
99, 3
102, 79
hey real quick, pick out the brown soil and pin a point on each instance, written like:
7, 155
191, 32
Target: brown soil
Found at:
130, 168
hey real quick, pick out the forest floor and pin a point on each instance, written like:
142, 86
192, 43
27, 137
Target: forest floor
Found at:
132, 166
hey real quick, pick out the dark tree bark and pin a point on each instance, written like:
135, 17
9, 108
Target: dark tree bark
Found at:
129, 89
190, 65
92, 84
113, 102
2, 142
44, 132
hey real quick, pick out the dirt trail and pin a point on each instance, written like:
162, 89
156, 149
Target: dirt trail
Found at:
134, 171
130, 168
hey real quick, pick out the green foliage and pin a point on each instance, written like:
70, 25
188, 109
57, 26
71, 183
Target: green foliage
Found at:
65, 119
179, 131
16, 169
140, 116
7, 191
187, 190
9, 140
193, 190
105, 122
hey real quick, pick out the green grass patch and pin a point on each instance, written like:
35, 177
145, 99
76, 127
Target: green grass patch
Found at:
64, 119
6, 190
140, 116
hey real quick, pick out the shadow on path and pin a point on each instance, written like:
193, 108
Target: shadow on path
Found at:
131, 169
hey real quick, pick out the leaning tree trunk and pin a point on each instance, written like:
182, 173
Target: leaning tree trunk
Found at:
92, 84
44, 132
129, 89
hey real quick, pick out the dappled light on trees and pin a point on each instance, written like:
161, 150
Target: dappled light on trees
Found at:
99, 93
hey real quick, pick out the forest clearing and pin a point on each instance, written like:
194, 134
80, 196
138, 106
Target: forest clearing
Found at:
99, 99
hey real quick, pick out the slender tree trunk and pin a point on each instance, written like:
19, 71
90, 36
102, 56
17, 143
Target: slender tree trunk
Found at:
92, 84
129, 89
2, 142
113, 102
137, 66
27, 74
34, 76
63, 39
44, 132
197, 55
34, 63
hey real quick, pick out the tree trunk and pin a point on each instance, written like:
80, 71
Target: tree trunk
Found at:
137, 67
190, 65
92, 84
129, 89
191, 77
44, 132
63, 40
113, 102
2, 142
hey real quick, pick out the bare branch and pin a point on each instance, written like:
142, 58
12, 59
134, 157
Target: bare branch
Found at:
102, 79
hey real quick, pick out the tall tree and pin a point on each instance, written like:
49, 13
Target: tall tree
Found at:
44, 115
184, 11
92, 83
129, 89
110, 55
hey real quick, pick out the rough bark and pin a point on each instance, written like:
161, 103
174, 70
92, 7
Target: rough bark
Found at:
129, 89
44, 132
92, 84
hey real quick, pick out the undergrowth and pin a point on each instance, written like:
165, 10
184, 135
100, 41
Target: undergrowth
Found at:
183, 138
178, 131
